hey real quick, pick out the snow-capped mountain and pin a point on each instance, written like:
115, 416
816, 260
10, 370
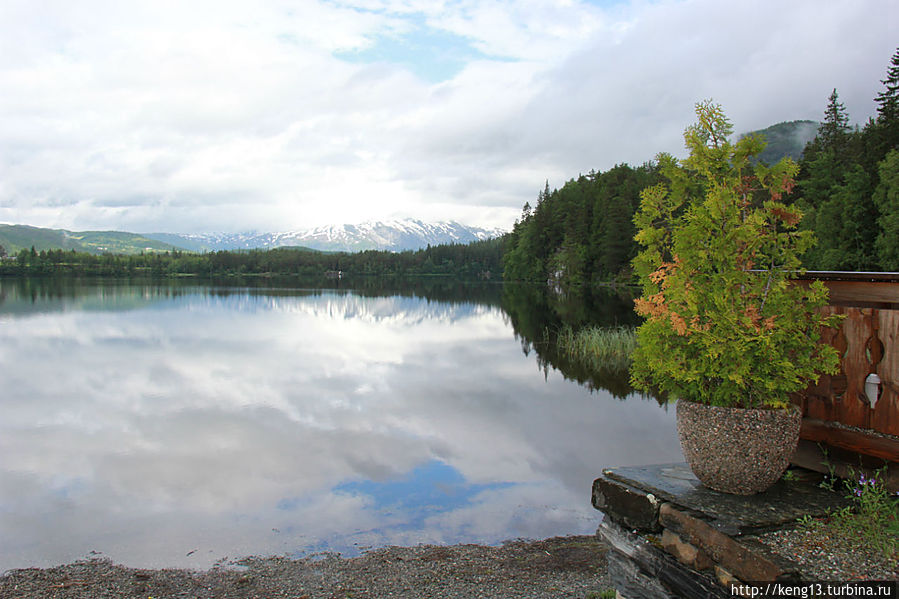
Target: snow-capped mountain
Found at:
395, 236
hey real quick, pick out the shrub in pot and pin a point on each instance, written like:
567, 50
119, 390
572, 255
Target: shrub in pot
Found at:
726, 334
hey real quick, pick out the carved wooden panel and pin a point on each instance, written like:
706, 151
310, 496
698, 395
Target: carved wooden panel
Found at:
885, 416
868, 342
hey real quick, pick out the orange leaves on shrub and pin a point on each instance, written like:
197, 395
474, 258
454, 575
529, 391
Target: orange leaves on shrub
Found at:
752, 313
790, 217
679, 324
652, 306
661, 273
786, 186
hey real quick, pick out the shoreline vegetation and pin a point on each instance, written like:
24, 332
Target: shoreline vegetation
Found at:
598, 347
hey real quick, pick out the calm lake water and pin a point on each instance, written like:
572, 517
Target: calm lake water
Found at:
179, 425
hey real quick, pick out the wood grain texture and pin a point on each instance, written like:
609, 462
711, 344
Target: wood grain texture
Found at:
868, 342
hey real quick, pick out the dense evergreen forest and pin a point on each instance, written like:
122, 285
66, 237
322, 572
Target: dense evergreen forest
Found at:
581, 233
847, 188
478, 260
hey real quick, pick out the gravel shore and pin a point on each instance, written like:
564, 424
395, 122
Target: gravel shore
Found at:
572, 566
825, 557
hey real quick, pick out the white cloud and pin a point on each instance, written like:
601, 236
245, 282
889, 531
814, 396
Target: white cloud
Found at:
230, 115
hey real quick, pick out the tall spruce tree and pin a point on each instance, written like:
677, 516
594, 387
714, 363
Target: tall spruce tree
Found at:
882, 134
888, 99
835, 129
836, 195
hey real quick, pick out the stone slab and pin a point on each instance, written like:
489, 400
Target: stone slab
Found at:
686, 553
783, 503
626, 505
744, 562
640, 570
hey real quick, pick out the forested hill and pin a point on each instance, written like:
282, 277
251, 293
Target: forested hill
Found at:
786, 139
17, 237
847, 187
583, 232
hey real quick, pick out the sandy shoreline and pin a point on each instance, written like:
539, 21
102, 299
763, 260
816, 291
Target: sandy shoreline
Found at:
572, 566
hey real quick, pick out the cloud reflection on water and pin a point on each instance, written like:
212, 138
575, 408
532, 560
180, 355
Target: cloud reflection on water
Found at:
254, 424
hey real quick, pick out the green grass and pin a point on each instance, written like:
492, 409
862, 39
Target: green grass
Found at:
599, 347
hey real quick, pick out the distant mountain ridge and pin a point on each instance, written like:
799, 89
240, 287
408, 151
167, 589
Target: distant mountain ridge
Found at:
393, 235
16, 237
786, 139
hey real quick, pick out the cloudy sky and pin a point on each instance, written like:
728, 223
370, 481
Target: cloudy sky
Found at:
226, 115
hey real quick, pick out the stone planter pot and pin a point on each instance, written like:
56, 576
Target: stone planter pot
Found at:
737, 450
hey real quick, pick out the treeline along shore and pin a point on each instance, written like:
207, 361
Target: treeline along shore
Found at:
478, 260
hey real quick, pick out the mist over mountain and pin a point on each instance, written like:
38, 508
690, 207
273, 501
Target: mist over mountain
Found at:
393, 235
786, 139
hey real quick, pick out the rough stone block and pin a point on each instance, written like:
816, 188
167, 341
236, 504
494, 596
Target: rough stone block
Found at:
735, 557
731, 514
626, 505
640, 570
685, 553
726, 578
633, 583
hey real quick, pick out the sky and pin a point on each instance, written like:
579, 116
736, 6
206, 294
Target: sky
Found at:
271, 115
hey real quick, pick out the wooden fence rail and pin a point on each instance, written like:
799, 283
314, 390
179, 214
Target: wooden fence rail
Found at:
837, 410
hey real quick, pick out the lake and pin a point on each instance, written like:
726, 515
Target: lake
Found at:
182, 424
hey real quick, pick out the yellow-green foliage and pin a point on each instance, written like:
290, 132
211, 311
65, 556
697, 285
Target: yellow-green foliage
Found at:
724, 325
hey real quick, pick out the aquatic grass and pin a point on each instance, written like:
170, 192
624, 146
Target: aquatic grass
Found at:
599, 348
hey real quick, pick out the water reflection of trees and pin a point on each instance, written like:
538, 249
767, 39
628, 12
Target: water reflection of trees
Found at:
538, 314
47, 294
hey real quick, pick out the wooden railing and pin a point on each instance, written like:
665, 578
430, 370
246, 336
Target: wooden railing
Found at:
837, 410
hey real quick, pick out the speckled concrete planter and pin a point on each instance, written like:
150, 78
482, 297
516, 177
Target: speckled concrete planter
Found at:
737, 450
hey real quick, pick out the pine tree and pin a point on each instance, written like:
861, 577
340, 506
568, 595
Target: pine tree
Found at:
834, 131
888, 99
836, 191
882, 133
